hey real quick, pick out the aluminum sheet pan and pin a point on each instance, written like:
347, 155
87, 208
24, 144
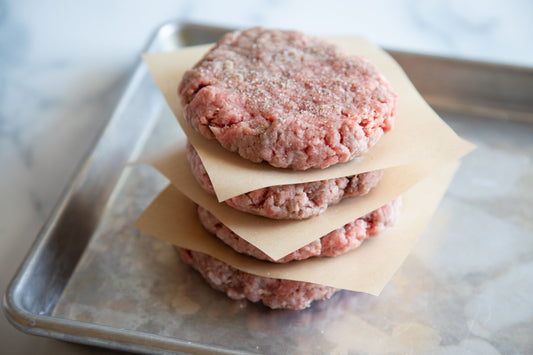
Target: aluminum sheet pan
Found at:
93, 278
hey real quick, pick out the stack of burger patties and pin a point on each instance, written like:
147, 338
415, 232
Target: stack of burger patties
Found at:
295, 102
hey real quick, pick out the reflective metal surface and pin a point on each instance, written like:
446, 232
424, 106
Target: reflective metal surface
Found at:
92, 278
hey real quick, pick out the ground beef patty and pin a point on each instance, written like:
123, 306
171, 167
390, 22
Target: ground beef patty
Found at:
274, 293
295, 201
286, 98
335, 243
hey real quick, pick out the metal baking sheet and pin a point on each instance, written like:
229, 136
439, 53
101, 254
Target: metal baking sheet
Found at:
92, 278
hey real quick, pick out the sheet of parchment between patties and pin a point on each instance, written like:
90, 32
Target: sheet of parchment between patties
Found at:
277, 238
172, 217
418, 133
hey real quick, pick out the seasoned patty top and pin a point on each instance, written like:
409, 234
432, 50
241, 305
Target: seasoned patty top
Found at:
259, 78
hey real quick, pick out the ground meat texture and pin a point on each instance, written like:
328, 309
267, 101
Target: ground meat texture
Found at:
294, 201
274, 293
286, 98
335, 243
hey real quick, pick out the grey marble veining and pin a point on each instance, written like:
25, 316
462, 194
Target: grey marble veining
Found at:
64, 64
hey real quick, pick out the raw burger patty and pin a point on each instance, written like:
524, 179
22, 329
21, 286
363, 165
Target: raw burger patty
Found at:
337, 242
274, 293
286, 98
296, 201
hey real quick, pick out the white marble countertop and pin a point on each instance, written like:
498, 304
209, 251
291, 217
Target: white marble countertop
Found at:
64, 64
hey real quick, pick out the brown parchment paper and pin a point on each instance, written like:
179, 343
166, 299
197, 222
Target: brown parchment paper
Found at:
419, 133
172, 218
278, 238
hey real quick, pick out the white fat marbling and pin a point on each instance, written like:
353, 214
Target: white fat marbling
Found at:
64, 64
